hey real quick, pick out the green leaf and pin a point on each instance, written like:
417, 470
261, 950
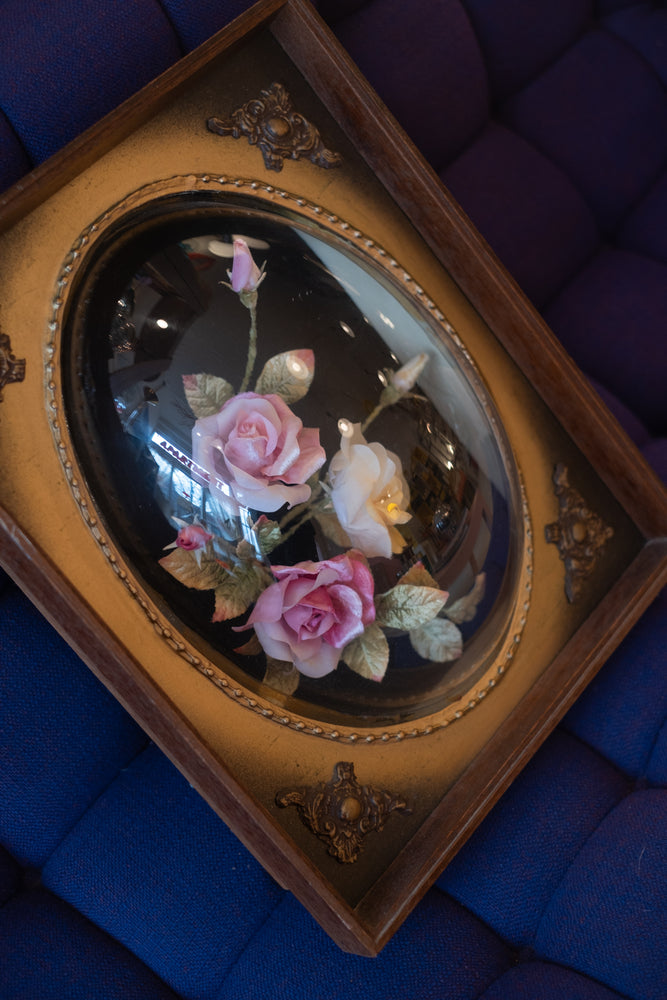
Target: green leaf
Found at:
201, 573
406, 606
419, 576
239, 588
206, 394
287, 375
281, 675
368, 654
465, 609
438, 640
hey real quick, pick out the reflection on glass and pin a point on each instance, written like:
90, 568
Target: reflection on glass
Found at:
294, 460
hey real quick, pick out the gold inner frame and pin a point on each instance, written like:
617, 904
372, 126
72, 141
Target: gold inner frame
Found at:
274, 708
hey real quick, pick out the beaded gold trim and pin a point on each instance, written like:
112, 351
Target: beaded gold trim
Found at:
272, 196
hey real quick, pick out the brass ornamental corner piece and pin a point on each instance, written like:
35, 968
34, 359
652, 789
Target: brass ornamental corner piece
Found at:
579, 533
281, 133
341, 811
11, 369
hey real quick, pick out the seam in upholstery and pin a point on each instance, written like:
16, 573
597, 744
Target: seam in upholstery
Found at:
590, 24
172, 25
582, 847
94, 801
12, 124
649, 755
220, 995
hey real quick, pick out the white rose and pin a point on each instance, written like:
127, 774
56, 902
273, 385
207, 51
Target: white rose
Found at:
369, 494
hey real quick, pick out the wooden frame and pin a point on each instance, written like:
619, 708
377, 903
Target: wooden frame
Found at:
504, 335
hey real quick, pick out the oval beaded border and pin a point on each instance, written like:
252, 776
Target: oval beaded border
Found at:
75, 259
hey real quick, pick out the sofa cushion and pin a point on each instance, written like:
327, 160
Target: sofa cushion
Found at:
524, 202
610, 317
195, 22
440, 951
623, 710
438, 90
643, 229
600, 113
608, 919
77, 65
48, 950
62, 735
521, 38
533, 980
643, 25
509, 869
10, 875
14, 161
154, 866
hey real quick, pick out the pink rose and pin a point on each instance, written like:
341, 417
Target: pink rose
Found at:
192, 537
257, 453
313, 610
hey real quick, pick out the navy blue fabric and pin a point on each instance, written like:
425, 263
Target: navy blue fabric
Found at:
521, 38
195, 22
610, 318
534, 980
152, 864
48, 951
62, 736
656, 769
10, 875
440, 107
548, 124
508, 872
642, 231
440, 952
624, 708
608, 918
14, 161
598, 104
59, 73
524, 202
643, 26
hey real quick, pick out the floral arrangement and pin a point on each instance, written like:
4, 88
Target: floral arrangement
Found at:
256, 458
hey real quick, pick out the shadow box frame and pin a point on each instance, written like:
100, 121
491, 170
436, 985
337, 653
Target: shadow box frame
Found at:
388, 175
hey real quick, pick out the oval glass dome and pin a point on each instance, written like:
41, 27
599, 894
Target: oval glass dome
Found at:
294, 457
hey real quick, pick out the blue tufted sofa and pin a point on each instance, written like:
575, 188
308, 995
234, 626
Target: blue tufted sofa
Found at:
548, 122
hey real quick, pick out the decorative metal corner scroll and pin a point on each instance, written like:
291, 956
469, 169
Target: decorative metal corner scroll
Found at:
341, 811
11, 369
579, 533
281, 133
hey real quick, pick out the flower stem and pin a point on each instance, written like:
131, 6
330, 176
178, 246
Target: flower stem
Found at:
307, 514
252, 347
301, 508
373, 414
